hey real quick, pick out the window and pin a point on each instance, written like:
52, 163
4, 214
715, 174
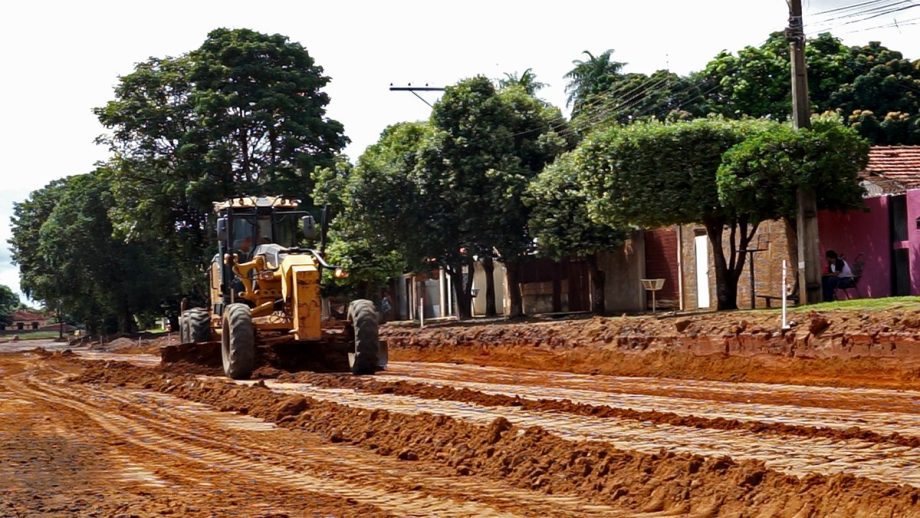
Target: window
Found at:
286, 229
34, 326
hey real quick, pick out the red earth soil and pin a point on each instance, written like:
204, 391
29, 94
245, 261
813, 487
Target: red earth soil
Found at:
534, 459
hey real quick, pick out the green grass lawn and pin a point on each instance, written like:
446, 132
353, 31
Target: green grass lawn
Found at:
911, 302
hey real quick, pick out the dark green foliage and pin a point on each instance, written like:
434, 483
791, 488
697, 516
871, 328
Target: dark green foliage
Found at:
9, 303
559, 218
242, 114
591, 78
761, 174
727, 175
436, 194
69, 260
873, 86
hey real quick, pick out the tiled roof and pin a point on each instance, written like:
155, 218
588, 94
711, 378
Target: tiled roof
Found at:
900, 164
24, 315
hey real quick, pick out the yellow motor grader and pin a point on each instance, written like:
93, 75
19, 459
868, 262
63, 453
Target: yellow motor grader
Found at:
265, 291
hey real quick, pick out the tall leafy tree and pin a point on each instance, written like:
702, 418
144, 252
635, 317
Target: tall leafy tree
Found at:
761, 174
487, 145
561, 226
9, 303
727, 175
37, 278
652, 174
242, 114
375, 233
69, 260
591, 77
872, 85
526, 80
444, 192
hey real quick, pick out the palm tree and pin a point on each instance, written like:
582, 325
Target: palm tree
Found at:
591, 77
526, 80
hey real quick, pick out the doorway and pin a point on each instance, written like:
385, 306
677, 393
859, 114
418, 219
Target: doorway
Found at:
701, 247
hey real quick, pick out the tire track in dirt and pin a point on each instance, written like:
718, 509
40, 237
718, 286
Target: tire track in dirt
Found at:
649, 394
862, 399
57, 462
882, 423
883, 462
663, 481
369, 479
349, 463
462, 391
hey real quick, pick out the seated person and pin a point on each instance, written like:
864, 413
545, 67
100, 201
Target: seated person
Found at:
244, 247
838, 275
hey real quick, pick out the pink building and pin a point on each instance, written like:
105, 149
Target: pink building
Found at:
885, 235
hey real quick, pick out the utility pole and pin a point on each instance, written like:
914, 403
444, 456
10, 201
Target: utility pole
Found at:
416, 89
809, 270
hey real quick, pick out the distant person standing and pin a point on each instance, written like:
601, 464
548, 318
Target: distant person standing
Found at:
838, 275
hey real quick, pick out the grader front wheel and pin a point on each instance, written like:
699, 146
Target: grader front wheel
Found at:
238, 342
364, 320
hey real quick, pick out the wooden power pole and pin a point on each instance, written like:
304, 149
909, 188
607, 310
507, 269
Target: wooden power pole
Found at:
809, 267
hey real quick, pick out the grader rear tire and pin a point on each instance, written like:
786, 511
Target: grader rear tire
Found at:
238, 342
364, 319
199, 325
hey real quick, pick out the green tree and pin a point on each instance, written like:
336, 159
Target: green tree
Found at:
242, 114
560, 224
9, 303
69, 260
38, 280
652, 174
866, 83
728, 175
377, 209
486, 147
590, 78
633, 97
761, 174
526, 80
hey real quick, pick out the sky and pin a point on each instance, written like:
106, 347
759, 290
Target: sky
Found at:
59, 60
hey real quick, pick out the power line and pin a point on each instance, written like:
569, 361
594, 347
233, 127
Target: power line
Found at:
847, 7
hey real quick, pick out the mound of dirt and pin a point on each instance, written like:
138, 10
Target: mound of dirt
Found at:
446, 393
843, 348
532, 458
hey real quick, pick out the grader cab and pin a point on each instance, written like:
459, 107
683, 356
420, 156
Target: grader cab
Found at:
264, 288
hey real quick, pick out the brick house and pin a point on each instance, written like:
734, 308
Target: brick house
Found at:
883, 236
26, 320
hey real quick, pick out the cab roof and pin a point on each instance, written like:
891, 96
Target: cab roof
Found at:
255, 202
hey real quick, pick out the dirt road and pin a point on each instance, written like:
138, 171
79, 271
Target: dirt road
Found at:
84, 435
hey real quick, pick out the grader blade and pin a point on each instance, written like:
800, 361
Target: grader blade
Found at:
201, 353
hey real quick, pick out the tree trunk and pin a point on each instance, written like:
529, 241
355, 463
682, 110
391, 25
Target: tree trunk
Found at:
598, 279
557, 287
728, 272
513, 280
726, 290
127, 324
488, 265
462, 289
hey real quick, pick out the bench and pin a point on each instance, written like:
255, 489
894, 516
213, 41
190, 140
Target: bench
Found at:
792, 296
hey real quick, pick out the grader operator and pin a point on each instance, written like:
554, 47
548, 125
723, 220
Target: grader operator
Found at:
265, 291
